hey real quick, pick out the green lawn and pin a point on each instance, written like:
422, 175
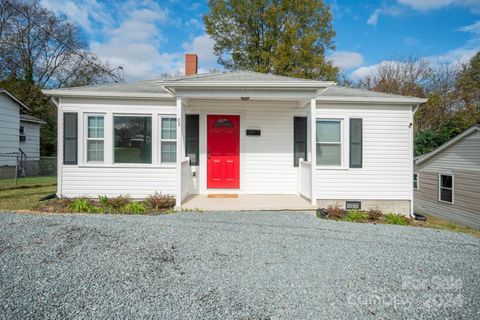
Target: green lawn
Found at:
23, 199
28, 181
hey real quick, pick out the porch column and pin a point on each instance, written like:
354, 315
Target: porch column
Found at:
178, 191
313, 149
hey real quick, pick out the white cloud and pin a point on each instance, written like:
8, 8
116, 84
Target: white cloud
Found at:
474, 28
425, 5
364, 71
386, 10
203, 47
346, 59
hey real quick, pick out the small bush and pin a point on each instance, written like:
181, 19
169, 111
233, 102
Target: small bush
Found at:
356, 216
134, 207
103, 200
392, 218
374, 214
119, 202
335, 212
160, 202
82, 205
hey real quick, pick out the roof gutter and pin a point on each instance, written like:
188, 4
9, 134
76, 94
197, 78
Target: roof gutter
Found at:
246, 84
378, 100
106, 94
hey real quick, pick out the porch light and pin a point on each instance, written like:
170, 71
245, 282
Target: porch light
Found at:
245, 98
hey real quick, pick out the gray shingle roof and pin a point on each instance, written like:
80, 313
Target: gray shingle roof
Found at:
339, 91
29, 118
145, 86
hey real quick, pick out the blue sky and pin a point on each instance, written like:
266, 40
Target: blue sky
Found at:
148, 37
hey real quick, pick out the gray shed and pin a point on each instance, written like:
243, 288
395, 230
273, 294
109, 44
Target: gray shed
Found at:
447, 180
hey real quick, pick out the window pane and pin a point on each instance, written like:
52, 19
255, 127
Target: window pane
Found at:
328, 154
169, 151
94, 150
299, 139
133, 139
446, 181
328, 131
192, 138
169, 128
95, 127
355, 156
70, 138
446, 195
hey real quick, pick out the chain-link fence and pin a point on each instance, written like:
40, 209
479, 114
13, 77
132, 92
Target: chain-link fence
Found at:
20, 170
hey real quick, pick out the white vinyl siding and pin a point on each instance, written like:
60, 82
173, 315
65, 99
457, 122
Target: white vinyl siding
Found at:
9, 129
136, 180
386, 173
31, 145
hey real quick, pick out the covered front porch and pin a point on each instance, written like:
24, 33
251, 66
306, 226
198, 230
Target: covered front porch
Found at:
269, 175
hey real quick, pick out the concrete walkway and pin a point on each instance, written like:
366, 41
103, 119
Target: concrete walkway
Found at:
248, 202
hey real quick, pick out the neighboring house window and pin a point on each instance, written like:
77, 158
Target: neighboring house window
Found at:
299, 139
168, 140
22, 136
70, 138
415, 181
445, 191
356, 143
95, 138
192, 138
329, 142
132, 139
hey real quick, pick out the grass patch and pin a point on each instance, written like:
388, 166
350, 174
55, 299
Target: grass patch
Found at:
27, 182
440, 224
397, 219
23, 199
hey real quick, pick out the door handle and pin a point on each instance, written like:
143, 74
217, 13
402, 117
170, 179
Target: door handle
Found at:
208, 155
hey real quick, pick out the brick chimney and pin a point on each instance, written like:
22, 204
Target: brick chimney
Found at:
191, 64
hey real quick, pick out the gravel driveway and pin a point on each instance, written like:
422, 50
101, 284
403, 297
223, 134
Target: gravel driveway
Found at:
232, 265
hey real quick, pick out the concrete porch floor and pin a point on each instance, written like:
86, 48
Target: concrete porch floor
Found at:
248, 202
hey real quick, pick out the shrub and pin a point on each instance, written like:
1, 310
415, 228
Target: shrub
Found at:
160, 202
356, 216
134, 207
103, 200
119, 202
392, 218
82, 205
374, 214
335, 212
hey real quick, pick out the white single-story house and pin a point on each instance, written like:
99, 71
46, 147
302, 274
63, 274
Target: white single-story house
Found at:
19, 137
237, 132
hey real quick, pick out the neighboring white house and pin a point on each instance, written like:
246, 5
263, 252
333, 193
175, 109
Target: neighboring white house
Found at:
19, 133
447, 180
237, 132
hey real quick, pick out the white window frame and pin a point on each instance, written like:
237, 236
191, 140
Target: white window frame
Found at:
86, 138
440, 187
416, 175
162, 140
342, 143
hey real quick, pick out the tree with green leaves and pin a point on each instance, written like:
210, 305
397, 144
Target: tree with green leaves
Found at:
283, 37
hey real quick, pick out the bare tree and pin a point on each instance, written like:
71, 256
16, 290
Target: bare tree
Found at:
43, 49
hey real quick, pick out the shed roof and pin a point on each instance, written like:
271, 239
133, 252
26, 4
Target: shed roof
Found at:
447, 144
29, 118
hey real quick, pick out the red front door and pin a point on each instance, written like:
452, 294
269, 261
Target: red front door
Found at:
223, 151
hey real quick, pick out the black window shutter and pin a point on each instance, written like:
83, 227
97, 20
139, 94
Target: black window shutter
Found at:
356, 143
70, 138
299, 139
192, 140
